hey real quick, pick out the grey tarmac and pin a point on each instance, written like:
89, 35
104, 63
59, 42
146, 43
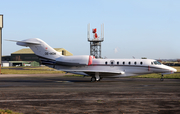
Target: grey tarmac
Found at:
56, 94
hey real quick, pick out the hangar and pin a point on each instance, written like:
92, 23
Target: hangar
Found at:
26, 57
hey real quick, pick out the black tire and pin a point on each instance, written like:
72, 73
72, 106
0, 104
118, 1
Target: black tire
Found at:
93, 79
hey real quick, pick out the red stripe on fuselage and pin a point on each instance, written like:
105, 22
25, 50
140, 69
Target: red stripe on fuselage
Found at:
148, 68
90, 60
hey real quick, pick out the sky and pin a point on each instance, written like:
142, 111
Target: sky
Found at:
132, 28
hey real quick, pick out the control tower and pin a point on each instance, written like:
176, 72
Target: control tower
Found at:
95, 43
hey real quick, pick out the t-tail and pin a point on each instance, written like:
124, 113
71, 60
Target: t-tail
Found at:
46, 54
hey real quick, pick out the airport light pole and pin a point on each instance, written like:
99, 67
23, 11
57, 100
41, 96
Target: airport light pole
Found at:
1, 26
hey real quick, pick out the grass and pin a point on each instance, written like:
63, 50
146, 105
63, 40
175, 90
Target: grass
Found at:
39, 68
166, 76
7, 111
9, 71
29, 70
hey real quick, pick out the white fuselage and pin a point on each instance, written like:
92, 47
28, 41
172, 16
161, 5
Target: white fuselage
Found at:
86, 65
120, 67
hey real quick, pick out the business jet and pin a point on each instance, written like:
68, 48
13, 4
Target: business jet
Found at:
87, 65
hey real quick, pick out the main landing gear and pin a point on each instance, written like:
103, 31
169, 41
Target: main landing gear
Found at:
162, 77
96, 77
93, 79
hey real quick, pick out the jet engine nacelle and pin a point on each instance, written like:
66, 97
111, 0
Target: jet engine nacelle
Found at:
74, 60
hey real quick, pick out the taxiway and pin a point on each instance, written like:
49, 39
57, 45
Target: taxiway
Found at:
46, 93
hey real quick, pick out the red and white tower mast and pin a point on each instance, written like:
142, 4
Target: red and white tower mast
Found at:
95, 43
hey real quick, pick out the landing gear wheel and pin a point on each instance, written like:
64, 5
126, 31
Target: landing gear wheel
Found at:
162, 78
93, 79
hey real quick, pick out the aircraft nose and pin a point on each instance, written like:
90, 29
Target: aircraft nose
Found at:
173, 70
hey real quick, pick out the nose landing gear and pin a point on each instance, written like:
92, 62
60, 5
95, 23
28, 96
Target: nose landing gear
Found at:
162, 77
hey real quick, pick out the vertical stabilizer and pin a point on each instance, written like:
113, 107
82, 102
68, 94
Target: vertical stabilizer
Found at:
40, 48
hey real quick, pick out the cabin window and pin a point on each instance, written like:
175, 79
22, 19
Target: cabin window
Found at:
141, 63
151, 63
135, 63
123, 63
111, 62
106, 62
129, 63
118, 63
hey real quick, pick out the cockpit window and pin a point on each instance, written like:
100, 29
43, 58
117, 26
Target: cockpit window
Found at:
157, 63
